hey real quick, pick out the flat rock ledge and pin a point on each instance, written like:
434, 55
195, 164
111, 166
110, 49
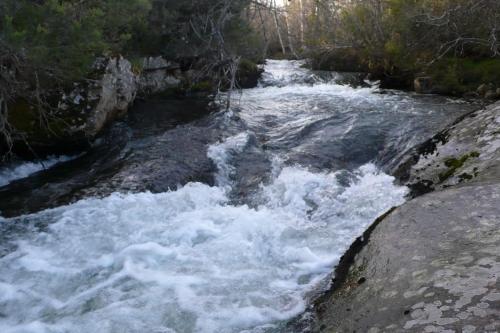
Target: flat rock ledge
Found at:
432, 264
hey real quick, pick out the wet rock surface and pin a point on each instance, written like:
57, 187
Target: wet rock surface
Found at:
467, 151
433, 264
154, 149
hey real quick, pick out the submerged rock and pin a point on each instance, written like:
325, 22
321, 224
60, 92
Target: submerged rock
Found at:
136, 154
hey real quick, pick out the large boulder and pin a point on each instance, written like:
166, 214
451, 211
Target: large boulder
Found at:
248, 74
431, 265
115, 91
484, 88
491, 94
488, 91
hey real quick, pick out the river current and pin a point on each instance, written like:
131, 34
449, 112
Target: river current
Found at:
225, 223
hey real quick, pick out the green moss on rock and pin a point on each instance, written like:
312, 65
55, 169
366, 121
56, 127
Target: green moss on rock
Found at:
53, 131
202, 86
454, 164
248, 73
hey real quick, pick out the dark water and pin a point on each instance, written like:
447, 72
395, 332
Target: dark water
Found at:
198, 220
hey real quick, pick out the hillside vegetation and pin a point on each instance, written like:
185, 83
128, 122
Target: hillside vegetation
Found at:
456, 42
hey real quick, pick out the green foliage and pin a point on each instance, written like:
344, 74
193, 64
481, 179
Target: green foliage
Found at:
247, 67
486, 70
451, 40
61, 39
64, 37
202, 86
459, 75
446, 76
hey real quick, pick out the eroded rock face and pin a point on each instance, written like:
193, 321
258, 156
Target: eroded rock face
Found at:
432, 265
158, 75
115, 92
468, 151
77, 115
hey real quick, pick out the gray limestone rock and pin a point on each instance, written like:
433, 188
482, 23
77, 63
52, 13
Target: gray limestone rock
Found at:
467, 151
432, 265
158, 75
115, 91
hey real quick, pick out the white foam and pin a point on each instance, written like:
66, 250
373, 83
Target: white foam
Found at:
221, 153
287, 87
187, 261
23, 170
284, 72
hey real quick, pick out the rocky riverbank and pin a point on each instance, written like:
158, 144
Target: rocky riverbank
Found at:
72, 119
433, 264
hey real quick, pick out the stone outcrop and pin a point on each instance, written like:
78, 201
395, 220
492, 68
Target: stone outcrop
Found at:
74, 117
432, 264
78, 115
116, 87
158, 75
469, 150
115, 92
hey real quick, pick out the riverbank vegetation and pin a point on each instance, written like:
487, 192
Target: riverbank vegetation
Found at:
454, 42
48, 46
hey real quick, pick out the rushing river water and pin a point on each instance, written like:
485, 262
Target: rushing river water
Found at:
224, 223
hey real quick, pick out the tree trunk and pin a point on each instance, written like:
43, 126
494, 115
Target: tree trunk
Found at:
301, 22
266, 39
276, 22
289, 35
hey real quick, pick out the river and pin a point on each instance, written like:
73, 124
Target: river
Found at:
220, 221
